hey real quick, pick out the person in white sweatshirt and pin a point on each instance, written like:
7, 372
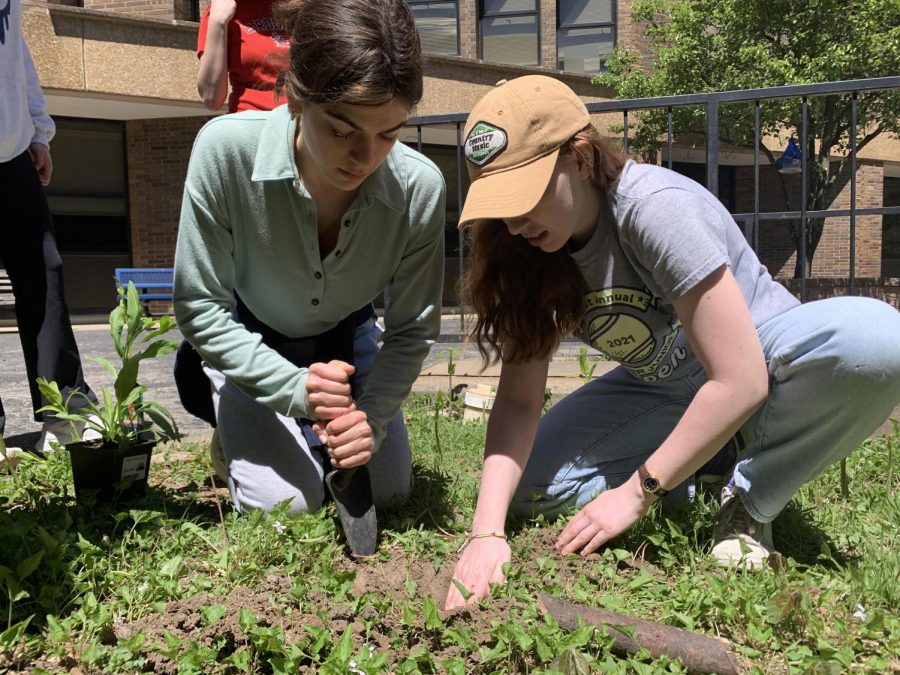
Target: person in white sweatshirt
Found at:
27, 242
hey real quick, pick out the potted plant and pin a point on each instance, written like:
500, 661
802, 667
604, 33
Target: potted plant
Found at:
129, 426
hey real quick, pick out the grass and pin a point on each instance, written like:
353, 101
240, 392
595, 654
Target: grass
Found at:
164, 584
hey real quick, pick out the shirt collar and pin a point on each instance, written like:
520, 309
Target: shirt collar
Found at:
275, 151
275, 161
388, 183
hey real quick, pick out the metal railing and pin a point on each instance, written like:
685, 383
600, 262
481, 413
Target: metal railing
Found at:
712, 102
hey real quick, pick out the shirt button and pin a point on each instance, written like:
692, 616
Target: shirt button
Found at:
337, 254
315, 301
318, 275
346, 223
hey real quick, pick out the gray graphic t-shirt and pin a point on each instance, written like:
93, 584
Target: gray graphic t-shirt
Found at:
665, 234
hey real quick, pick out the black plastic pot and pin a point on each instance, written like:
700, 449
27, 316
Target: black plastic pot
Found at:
110, 473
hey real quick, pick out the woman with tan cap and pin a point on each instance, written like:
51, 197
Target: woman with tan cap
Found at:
722, 371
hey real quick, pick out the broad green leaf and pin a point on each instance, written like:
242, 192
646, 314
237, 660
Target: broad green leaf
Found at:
463, 591
409, 615
430, 610
344, 648
50, 391
29, 565
126, 380
158, 348
570, 662
212, 613
10, 637
107, 365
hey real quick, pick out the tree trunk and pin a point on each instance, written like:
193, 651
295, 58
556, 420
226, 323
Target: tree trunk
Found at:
814, 229
820, 178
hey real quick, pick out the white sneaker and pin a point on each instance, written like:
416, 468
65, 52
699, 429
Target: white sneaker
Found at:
90, 434
740, 540
9, 457
58, 433
217, 457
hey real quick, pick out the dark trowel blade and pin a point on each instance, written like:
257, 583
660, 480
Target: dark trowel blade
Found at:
351, 490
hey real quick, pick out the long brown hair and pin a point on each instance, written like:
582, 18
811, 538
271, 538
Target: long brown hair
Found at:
526, 300
362, 52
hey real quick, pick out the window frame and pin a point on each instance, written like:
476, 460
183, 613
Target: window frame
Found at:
613, 24
412, 4
60, 199
536, 13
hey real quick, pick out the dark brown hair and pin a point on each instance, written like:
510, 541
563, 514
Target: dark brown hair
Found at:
362, 52
527, 300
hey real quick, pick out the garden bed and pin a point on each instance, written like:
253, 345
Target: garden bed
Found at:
165, 584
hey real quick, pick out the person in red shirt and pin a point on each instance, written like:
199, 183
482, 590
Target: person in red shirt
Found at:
240, 43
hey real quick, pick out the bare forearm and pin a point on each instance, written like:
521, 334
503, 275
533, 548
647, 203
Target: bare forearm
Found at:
715, 414
510, 436
721, 331
212, 77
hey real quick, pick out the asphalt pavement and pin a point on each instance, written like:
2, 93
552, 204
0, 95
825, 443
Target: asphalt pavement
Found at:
156, 374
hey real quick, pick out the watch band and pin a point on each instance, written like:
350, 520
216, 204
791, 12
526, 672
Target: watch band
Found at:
650, 483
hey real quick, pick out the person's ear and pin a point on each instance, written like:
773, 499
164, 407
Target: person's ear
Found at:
583, 152
295, 106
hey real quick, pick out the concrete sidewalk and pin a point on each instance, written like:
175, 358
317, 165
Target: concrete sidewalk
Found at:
563, 377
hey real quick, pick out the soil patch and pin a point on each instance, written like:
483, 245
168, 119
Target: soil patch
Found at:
273, 604
373, 608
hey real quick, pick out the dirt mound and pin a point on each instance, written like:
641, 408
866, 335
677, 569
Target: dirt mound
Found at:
399, 584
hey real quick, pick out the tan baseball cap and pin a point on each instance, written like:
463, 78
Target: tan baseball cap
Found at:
512, 140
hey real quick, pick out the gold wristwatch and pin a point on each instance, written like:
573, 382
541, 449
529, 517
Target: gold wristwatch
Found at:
650, 483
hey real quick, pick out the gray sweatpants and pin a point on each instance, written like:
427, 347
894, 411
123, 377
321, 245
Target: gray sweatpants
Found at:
834, 376
270, 459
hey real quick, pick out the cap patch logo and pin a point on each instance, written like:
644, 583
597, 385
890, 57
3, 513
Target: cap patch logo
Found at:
484, 143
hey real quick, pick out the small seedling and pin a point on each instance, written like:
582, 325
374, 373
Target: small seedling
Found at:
586, 365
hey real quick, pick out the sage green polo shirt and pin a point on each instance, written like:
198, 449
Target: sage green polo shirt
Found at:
249, 225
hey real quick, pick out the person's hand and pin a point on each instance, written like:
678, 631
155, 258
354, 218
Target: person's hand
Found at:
328, 390
40, 155
604, 518
348, 439
480, 565
222, 11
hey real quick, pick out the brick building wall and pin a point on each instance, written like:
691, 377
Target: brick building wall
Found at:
547, 33
832, 256
160, 9
468, 29
158, 152
182, 10
630, 34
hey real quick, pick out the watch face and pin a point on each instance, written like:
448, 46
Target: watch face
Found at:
650, 484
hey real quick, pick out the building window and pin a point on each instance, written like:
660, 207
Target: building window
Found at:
727, 180
90, 207
586, 34
509, 32
438, 24
890, 230
188, 10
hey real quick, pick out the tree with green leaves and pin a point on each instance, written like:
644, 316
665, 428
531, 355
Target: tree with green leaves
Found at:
720, 45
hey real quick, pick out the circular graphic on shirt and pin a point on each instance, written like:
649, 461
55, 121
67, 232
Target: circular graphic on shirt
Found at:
622, 337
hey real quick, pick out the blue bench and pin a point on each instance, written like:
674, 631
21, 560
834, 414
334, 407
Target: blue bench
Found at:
151, 283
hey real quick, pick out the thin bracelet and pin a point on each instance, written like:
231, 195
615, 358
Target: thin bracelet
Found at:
481, 535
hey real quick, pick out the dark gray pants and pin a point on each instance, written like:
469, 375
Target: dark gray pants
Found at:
29, 254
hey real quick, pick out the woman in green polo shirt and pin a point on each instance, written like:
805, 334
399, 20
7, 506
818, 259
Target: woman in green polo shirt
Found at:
293, 220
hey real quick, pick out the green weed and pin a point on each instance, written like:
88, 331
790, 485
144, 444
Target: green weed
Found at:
165, 583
